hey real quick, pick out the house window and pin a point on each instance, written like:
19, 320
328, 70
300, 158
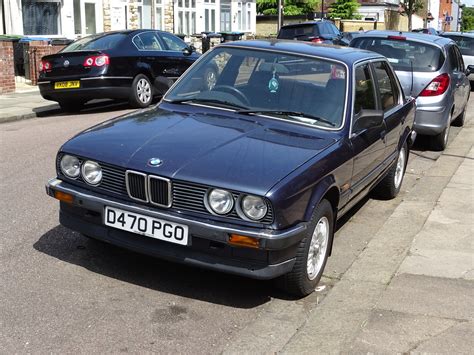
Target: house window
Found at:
159, 15
144, 13
40, 18
225, 17
186, 17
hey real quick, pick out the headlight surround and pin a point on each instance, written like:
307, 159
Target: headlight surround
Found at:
70, 166
253, 207
219, 201
91, 172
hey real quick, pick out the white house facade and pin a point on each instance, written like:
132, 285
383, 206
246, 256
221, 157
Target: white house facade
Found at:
75, 18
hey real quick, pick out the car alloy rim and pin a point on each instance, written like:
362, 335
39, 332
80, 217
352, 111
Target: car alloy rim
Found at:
317, 248
211, 79
446, 132
400, 168
143, 91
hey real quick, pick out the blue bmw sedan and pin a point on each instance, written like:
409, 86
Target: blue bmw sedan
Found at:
248, 176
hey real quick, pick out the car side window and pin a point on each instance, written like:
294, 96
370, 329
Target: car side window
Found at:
387, 87
364, 90
335, 29
147, 41
173, 43
453, 59
460, 59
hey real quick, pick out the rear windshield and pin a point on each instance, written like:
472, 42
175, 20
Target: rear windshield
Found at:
298, 32
403, 54
93, 43
466, 44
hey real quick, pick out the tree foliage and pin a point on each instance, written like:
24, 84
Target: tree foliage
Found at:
467, 23
291, 7
344, 9
410, 7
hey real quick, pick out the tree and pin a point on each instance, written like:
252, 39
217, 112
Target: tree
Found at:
467, 21
292, 7
344, 9
410, 7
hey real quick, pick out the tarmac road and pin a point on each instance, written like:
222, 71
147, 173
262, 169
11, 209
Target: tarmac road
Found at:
61, 292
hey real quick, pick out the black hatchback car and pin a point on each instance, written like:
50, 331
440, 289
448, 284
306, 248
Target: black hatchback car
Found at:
134, 65
321, 31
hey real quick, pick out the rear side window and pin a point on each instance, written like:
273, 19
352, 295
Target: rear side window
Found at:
298, 31
387, 87
402, 54
96, 43
147, 41
364, 86
173, 43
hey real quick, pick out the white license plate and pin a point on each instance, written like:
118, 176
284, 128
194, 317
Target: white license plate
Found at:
145, 225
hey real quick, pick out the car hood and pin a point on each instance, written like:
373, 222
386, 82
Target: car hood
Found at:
227, 150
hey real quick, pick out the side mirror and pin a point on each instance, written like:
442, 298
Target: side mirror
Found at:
367, 119
470, 69
189, 50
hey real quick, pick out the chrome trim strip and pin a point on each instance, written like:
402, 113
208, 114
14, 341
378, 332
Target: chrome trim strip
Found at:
107, 77
43, 82
170, 197
128, 188
57, 184
283, 52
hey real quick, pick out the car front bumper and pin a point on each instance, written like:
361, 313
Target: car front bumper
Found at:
209, 241
101, 87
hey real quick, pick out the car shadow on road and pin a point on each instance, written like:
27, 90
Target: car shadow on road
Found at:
152, 273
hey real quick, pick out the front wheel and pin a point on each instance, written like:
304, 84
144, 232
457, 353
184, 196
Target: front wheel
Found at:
142, 92
390, 185
312, 254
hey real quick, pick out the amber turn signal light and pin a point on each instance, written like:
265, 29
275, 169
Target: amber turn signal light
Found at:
62, 196
243, 241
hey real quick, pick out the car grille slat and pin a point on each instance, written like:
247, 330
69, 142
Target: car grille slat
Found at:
177, 195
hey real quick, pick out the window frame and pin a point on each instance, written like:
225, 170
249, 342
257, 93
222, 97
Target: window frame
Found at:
393, 78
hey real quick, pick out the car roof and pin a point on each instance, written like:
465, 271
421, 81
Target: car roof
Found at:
413, 36
464, 34
347, 55
315, 22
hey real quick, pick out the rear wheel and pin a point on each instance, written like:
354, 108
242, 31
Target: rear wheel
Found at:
142, 92
71, 106
312, 254
390, 185
459, 121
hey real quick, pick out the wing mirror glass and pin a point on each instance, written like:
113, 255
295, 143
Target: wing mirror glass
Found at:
189, 49
367, 119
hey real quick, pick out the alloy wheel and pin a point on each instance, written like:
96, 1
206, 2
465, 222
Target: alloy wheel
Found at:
400, 168
144, 91
317, 248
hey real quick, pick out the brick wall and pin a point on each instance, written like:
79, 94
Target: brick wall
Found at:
37, 50
7, 69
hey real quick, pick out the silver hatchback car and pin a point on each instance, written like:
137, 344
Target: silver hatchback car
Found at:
430, 68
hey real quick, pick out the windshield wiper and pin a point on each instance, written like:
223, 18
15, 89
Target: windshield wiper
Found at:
289, 113
211, 101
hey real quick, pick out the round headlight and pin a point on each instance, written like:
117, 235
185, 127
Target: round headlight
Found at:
91, 172
70, 166
220, 201
254, 207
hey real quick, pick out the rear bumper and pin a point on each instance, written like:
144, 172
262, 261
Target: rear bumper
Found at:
432, 114
208, 248
101, 87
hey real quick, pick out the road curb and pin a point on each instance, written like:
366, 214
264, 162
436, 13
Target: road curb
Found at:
47, 110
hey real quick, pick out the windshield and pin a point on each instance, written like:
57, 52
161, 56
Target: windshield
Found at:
298, 32
403, 54
465, 43
292, 87
94, 43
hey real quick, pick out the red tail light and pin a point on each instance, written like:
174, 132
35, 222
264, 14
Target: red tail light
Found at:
438, 86
96, 61
317, 40
44, 66
397, 38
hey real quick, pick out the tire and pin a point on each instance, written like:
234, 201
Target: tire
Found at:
305, 275
459, 121
71, 106
142, 92
440, 141
390, 185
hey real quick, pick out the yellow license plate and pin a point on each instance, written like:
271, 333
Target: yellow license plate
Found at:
67, 84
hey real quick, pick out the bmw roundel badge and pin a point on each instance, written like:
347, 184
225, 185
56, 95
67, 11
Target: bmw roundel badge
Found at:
66, 63
155, 162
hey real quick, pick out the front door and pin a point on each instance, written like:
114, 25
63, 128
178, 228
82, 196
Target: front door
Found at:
368, 143
87, 17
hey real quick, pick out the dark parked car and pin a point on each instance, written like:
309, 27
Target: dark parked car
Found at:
426, 31
321, 31
133, 65
465, 42
432, 70
249, 177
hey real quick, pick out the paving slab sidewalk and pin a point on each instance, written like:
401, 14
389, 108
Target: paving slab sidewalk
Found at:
412, 289
25, 104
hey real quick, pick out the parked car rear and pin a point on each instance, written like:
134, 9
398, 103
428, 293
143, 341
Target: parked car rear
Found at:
321, 31
431, 69
133, 65
465, 42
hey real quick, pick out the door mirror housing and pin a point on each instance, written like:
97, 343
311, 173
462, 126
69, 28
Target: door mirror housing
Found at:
470, 69
189, 50
367, 119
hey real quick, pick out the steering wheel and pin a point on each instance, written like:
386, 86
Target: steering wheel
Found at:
233, 91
